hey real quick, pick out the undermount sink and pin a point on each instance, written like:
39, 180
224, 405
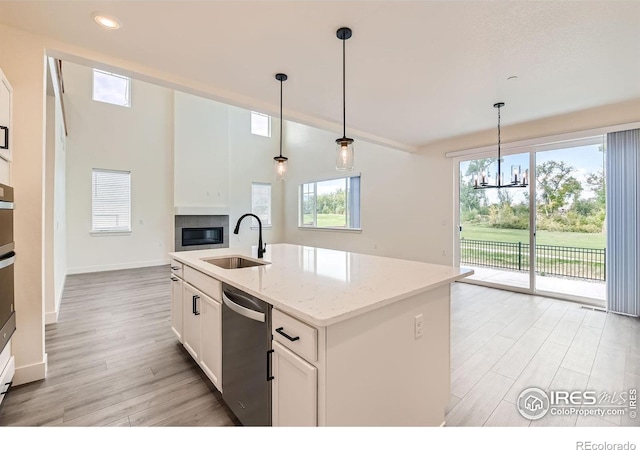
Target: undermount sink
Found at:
234, 262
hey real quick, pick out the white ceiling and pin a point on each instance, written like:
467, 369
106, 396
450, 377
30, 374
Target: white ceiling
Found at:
417, 72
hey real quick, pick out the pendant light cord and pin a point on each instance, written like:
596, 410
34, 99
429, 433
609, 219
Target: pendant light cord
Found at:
344, 96
281, 118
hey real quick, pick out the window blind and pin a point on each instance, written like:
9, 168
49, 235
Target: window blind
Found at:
111, 200
623, 219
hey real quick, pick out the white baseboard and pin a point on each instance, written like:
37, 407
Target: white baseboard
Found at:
32, 372
52, 316
108, 267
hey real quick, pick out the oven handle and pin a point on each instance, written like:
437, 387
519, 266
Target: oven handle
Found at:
246, 312
4, 263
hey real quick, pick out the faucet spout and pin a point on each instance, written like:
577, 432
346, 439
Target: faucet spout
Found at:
261, 250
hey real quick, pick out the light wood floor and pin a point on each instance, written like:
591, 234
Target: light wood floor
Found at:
114, 361
504, 342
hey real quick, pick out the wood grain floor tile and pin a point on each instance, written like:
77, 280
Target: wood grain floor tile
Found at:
112, 356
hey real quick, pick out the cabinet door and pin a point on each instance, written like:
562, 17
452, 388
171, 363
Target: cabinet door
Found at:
191, 324
5, 118
211, 340
295, 390
176, 306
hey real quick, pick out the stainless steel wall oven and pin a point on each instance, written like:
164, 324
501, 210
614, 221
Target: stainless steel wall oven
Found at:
7, 259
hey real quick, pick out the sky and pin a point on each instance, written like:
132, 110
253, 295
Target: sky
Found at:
326, 187
585, 160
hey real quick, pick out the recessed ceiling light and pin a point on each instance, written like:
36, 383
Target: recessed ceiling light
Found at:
512, 77
106, 22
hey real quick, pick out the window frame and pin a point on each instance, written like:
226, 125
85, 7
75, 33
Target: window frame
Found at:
114, 231
350, 201
254, 222
104, 72
256, 113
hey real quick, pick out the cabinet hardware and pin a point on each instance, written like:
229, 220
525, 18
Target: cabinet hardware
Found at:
174, 279
8, 385
279, 331
5, 145
269, 375
175, 268
195, 308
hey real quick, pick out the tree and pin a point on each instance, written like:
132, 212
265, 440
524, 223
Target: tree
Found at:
505, 197
556, 185
470, 198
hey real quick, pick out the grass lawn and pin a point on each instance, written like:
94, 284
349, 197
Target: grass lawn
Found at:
327, 220
568, 239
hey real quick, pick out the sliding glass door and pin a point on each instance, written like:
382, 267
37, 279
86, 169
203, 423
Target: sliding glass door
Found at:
549, 237
570, 220
495, 223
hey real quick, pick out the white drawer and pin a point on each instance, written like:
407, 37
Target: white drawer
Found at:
177, 268
303, 339
208, 285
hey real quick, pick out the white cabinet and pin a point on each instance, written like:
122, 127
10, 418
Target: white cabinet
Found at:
176, 306
295, 389
202, 330
191, 323
7, 370
211, 340
5, 118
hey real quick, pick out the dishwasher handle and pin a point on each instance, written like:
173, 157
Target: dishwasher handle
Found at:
228, 297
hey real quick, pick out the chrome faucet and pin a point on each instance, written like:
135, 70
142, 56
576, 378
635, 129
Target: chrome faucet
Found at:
261, 250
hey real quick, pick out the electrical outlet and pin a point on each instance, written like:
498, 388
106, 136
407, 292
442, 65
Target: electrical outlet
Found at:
418, 326
444, 253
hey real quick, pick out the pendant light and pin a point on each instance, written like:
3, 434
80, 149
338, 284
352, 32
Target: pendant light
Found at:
280, 162
344, 145
519, 178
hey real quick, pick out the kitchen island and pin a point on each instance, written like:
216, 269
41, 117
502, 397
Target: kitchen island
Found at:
358, 340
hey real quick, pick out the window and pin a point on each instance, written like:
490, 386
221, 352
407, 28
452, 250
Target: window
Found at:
261, 203
111, 88
260, 124
331, 203
110, 201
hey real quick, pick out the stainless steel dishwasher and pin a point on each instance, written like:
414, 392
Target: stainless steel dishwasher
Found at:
246, 356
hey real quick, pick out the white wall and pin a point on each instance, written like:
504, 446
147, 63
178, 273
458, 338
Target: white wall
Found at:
49, 192
55, 257
201, 142
137, 139
216, 160
22, 58
5, 177
406, 199
251, 160
59, 209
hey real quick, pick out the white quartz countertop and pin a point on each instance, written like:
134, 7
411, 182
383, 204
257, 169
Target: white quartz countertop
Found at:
322, 286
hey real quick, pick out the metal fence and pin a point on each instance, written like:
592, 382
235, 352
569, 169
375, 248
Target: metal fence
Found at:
551, 260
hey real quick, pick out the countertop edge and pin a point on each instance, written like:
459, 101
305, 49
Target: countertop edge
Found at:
311, 320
